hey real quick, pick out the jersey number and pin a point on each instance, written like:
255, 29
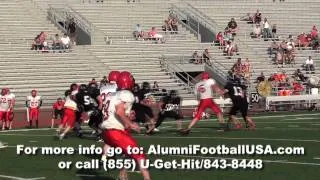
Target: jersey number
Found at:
106, 110
237, 91
86, 100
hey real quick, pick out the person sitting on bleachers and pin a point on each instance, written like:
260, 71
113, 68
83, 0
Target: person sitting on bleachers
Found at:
237, 68
309, 65
174, 25
39, 41
65, 41
299, 75
138, 33
257, 17
166, 27
248, 17
273, 48
57, 44
290, 53
246, 69
314, 32
195, 58
256, 31
274, 31
231, 48
153, 34
303, 40
233, 27
297, 88
315, 43
220, 39
206, 57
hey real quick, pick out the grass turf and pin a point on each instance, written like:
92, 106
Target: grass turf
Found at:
277, 129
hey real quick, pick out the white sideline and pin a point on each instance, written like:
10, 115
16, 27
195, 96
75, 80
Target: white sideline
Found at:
20, 178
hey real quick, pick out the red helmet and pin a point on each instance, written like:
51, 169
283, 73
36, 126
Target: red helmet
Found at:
205, 75
125, 81
113, 76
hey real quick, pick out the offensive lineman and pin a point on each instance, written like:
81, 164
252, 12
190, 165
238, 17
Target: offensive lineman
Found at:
33, 103
170, 107
118, 123
236, 92
204, 89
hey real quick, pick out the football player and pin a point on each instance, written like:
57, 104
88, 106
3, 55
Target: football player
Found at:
236, 92
170, 107
141, 107
4, 108
33, 103
10, 113
69, 115
118, 124
89, 101
57, 111
204, 90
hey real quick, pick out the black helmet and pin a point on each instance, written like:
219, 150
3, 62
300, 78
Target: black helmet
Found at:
146, 86
173, 93
83, 87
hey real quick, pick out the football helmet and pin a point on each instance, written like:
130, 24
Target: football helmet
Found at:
125, 81
113, 76
205, 75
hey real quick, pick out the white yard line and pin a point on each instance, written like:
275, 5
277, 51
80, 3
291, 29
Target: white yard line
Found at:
317, 158
86, 175
20, 178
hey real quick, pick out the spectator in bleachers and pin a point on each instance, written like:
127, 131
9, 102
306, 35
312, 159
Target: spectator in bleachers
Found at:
297, 88
256, 31
290, 53
38, 43
220, 39
299, 75
261, 78
174, 25
206, 57
315, 43
273, 48
309, 65
65, 41
237, 68
196, 59
72, 31
248, 17
231, 48
138, 33
314, 32
154, 35
233, 26
274, 31
266, 29
166, 26
155, 86
303, 40
57, 44
257, 17
246, 69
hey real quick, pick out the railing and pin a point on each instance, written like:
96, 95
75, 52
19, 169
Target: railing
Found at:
181, 76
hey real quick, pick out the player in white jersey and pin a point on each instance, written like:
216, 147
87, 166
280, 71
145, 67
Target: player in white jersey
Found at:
204, 90
5, 105
118, 124
10, 113
69, 115
33, 103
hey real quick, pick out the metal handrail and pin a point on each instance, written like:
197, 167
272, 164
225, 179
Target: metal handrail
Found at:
189, 80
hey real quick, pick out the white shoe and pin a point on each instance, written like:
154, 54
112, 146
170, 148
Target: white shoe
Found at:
2, 145
61, 136
156, 130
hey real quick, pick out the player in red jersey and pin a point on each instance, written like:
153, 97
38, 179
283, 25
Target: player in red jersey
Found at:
5, 105
33, 103
57, 111
204, 90
117, 125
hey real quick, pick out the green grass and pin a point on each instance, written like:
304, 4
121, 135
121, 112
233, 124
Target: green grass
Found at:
276, 129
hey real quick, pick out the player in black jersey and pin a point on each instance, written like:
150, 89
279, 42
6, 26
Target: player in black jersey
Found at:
236, 91
143, 112
89, 101
170, 107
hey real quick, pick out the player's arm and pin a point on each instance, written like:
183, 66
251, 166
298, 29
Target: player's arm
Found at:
100, 102
27, 103
40, 103
218, 89
121, 113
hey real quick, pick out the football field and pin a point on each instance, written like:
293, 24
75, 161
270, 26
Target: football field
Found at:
276, 129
